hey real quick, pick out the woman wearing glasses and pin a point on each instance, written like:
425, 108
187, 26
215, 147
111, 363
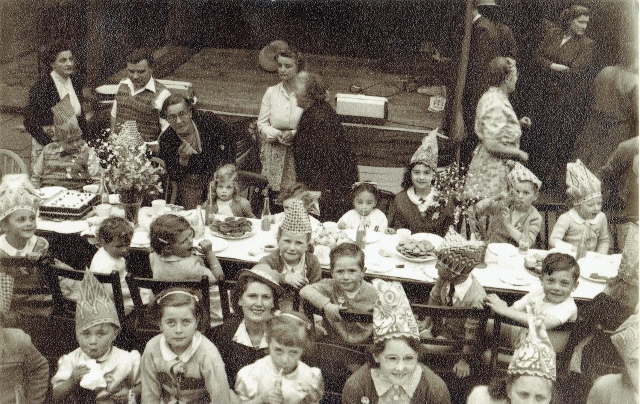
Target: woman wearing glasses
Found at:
194, 145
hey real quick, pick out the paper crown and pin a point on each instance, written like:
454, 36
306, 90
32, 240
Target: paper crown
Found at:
534, 354
392, 315
94, 306
427, 153
629, 264
296, 219
129, 136
17, 192
264, 274
625, 338
459, 255
582, 184
520, 173
268, 55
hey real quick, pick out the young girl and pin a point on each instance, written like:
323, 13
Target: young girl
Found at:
224, 190
174, 259
395, 374
181, 365
281, 377
19, 203
418, 208
365, 197
294, 262
584, 221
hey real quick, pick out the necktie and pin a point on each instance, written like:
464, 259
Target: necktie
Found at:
452, 290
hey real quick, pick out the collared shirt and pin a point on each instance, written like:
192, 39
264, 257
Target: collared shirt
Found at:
299, 268
13, 252
242, 337
461, 290
390, 393
170, 356
64, 87
157, 104
279, 111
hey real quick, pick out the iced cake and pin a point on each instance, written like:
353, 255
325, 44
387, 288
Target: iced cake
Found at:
68, 204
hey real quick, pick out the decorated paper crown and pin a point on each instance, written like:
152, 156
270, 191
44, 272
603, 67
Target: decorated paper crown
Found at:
625, 339
129, 136
268, 55
459, 255
94, 306
629, 264
264, 274
582, 184
392, 315
17, 192
427, 153
534, 354
296, 219
520, 173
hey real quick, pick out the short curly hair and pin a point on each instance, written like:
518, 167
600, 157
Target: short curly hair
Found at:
499, 70
51, 51
571, 13
115, 228
315, 88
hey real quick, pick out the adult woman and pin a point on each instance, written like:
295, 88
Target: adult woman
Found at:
323, 157
499, 131
241, 339
564, 58
278, 120
50, 90
193, 146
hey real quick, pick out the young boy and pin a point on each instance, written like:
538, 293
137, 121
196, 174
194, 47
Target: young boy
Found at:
292, 260
552, 301
346, 289
510, 215
110, 373
66, 162
456, 287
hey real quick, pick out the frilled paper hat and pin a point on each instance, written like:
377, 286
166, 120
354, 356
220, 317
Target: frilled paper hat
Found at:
629, 264
625, 339
296, 219
268, 55
582, 184
459, 255
520, 173
534, 354
264, 274
129, 136
392, 315
427, 153
17, 192
94, 306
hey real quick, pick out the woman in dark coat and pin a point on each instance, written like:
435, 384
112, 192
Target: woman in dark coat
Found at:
564, 58
192, 148
48, 91
323, 157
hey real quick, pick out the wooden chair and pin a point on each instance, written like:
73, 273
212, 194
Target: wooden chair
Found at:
11, 163
385, 200
550, 213
170, 187
256, 186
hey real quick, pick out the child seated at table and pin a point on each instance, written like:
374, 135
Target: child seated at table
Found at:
584, 223
553, 301
223, 194
456, 287
67, 162
365, 197
510, 215
296, 265
19, 203
97, 371
174, 258
309, 200
346, 290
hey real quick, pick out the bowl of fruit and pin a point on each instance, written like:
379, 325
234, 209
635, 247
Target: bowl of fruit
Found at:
329, 236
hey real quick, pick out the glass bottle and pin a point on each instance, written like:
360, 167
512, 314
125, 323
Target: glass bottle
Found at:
524, 243
103, 191
209, 208
198, 226
361, 233
266, 215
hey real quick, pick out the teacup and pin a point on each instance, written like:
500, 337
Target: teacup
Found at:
102, 210
158, 206
403, 233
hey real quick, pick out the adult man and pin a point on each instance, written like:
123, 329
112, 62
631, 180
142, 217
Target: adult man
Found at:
140, 97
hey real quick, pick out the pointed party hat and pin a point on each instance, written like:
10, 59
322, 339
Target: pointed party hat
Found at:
296, 219
520, 173
427, 153
17, 192
392, 315
459, 255
582, 184
534, 354
626, 339
94, 306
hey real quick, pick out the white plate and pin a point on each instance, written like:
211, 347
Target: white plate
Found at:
380, 268
372, 236
107, 89
604, 265
503, 249
245, 235
435, 240
48, 192
429, 258
430, 271
516, 278
217, 244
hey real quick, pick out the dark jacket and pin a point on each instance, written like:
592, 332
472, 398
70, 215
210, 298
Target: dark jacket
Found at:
42, 96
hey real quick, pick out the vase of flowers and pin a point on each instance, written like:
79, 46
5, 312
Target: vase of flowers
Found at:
129, 171
449, 185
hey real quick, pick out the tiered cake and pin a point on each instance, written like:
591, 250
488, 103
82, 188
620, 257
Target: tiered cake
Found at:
68, 204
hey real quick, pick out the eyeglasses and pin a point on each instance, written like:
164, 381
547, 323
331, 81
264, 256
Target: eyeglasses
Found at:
182, 115
394, 360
